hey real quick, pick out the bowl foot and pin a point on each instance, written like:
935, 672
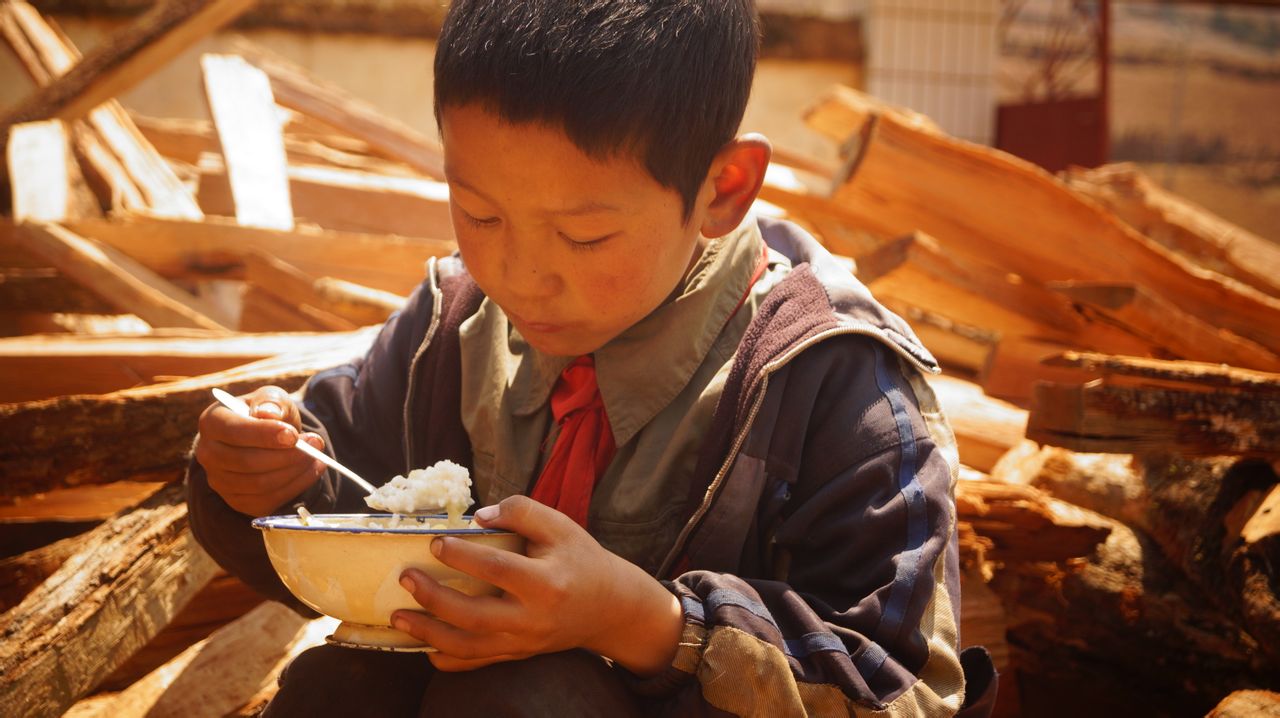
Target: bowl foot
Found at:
376, 638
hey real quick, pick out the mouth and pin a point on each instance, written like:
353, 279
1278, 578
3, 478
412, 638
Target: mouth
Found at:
540, 327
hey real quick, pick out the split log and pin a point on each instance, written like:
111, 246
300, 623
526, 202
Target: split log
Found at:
1015, 364
161, 191
250, 135
1149, 372
115, 277
219, 674
985, 428
1216, 520
1118, 633
1026, 524
126, 58
960, 348
1180, 225
1101, 417
133, 575
902, 179
362, 305
44, 178
21, 574
224, 599
295, 89
1248, 704
215, 248
346, 200
135, 433
43, 367
1162, 324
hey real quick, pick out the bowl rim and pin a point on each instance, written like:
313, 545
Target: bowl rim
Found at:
289, 522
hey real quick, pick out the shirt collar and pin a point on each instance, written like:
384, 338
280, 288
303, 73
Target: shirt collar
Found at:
643, 369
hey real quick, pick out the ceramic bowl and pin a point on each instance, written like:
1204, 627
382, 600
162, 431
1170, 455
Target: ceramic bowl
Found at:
344, 569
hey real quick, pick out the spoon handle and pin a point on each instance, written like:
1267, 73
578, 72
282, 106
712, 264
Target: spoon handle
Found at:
237, 405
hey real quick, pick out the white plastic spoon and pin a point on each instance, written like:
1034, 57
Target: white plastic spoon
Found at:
241, 408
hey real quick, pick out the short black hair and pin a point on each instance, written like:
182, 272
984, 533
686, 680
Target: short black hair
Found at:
666, 81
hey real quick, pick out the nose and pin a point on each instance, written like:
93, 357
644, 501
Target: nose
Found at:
528, 269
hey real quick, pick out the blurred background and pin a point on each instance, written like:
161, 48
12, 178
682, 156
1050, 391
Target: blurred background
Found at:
1189, 90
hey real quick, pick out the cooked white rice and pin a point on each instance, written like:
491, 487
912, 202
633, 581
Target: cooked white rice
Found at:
445, 485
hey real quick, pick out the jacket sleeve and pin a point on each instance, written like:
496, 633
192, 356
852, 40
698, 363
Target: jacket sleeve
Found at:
358, 409
849, 604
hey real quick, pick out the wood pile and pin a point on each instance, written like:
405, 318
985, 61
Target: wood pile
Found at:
1110, 354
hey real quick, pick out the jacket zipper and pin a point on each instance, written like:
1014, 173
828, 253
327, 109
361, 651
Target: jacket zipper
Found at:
437, 303
741, 437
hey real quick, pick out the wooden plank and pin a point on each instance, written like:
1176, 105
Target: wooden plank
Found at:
126, 58
187, 139
162, 192
133, 575
43, 367
1181, 225
985, 428
44, 179
903, 179
359, 304
1103, 418
44, 290
250, 136
960, 348
116, 277
105, 173
266, 312
1151, 317
295, 89
914, 269
215, 248
136, 433
346, 200
290, 287
221, 673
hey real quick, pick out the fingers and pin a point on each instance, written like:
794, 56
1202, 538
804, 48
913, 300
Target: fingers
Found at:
480, 614
220, 455
272, 402
535, 521
455, 642
512, 572
265, 495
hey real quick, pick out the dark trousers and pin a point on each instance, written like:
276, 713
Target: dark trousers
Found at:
335, 681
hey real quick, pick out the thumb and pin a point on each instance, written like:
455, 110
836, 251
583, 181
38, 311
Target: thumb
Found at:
272, 402
535, 521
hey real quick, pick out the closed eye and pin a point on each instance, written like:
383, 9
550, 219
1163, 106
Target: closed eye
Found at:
591, 243
479, 222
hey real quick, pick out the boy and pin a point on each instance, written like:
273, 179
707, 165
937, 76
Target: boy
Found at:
741, 489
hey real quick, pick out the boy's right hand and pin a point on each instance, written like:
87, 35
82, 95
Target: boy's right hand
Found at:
251, 462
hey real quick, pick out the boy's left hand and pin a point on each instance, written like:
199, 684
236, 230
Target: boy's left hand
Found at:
567, 592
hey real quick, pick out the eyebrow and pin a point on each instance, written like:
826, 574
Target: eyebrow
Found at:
588, 207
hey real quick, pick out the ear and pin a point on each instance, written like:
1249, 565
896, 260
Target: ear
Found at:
736, 176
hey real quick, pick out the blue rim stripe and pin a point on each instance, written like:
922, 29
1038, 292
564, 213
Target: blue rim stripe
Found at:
290, 523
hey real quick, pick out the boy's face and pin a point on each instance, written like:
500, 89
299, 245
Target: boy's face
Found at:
575, 250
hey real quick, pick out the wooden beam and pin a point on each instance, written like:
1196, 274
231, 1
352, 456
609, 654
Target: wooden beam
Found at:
1104, 418
161, 191
961, 348
1016, 364
359, 304
116, 277
44, 179
346, 200
21, 574
221, 673
132, 576
215, 248
1181, 225
1153, 318
136, 433
249, 133
295, 89
902, 178
45, 290
43, 367
126, 58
